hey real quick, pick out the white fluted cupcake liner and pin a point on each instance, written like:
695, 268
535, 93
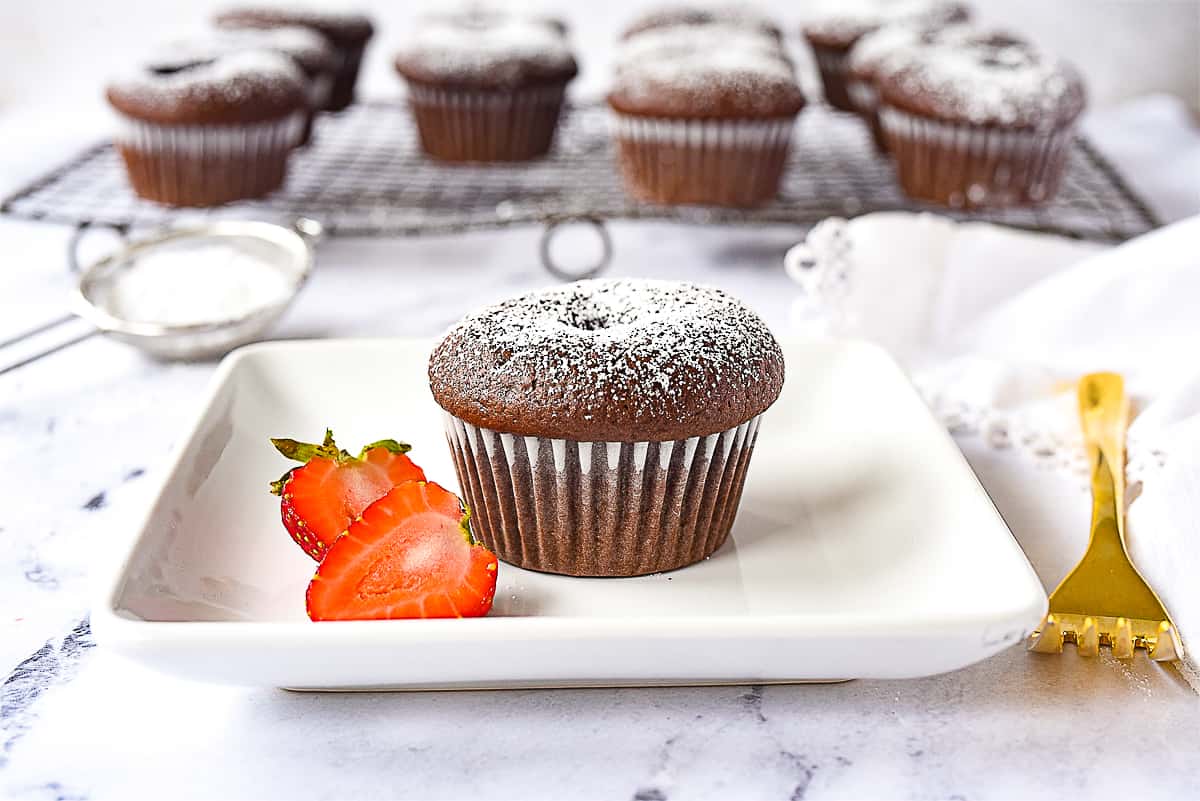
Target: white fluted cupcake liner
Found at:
216, 140
601, 508
965, 166
205, 165
731, 162
471, 125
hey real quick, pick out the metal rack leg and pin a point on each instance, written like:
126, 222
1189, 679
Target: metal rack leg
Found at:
591, 271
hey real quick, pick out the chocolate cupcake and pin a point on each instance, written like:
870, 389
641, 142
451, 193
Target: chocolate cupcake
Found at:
986, 123
870, 57
209, 132
833, 34
486, 87
604, 428
309, 50
674, 16
348, 33
704, 115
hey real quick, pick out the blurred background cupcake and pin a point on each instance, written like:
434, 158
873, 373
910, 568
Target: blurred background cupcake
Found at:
704, 113
310, 51
201, 133
833, 33
986, 122
486, 86
870, 56
348, 34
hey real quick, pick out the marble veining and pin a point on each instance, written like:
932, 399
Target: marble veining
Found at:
54, 663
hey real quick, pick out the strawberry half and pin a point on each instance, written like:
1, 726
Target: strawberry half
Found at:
410, 554
322, 497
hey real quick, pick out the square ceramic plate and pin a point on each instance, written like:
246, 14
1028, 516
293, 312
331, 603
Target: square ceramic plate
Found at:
864, 547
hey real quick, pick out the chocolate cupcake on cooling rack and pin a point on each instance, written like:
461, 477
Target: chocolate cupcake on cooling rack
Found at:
486, 87
870, 57
202, 133
309, 50
704, 115
733, 15
831, 35
348, 34
988, 122
604, 428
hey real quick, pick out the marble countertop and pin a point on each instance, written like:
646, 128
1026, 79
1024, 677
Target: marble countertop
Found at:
85, 433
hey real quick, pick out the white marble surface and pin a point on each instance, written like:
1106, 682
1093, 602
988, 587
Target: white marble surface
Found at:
85, 433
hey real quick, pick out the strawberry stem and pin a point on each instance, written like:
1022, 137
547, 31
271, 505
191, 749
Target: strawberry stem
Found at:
465, 524
305, 452
389, 445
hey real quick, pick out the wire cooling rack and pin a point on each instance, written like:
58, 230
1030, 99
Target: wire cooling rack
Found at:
365, 175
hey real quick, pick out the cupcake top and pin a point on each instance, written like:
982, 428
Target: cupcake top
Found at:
486, 51
609, 361
341, 28
311, 51
665, 43
989, 80
671, 16
851, 20
871, 54
239, 87
712, 71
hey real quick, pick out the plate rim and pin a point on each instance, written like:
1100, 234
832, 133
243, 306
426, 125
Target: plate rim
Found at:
113, 628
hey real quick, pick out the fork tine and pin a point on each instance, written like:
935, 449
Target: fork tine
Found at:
1122, 639
1104, 600
1087, 639
1048, 639
1167, 646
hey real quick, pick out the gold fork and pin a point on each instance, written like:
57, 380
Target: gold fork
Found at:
1104, 600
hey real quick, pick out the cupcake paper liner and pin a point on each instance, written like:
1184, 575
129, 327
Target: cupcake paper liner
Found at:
736, 163
601, 508
970, 166
865, 99
833, 64
206, 165
341, 92
469, 125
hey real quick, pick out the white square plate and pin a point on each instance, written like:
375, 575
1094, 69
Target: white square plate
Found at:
864, 547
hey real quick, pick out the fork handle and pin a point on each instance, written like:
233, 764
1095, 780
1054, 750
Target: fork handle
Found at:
1104, 415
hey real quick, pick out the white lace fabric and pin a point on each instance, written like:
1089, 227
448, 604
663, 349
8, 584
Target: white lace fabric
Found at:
1000, 325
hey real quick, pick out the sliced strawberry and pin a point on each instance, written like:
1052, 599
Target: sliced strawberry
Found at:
410, 554
321, 498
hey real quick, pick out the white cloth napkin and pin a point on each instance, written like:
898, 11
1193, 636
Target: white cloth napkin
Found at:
996, 325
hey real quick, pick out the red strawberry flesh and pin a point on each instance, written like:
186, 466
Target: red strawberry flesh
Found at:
321, 498
409, 555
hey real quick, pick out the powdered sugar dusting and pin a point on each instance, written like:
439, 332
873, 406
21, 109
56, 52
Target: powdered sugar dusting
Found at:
340, 25
640, 355
689, 40
854, 19
474, 46
874, 52
300, 44
233, 78
715, 65
736, 15
992, 79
